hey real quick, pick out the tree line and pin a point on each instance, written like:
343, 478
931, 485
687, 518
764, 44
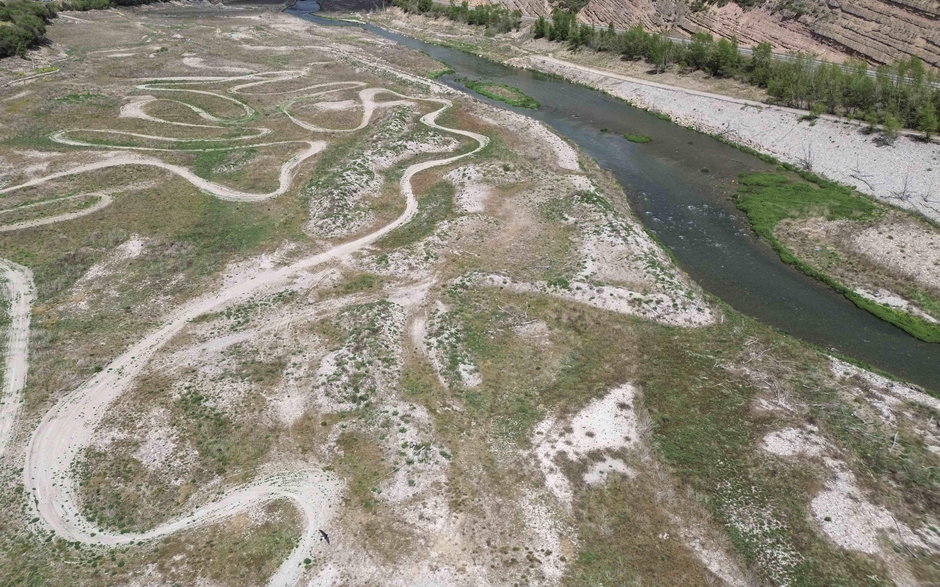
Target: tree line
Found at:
899, 95
23, 22
495, 17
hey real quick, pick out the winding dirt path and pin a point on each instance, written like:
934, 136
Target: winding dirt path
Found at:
67, 429
285, 178
104, 200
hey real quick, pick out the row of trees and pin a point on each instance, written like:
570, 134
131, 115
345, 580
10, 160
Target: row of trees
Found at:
495, 17
22, 25
902, 94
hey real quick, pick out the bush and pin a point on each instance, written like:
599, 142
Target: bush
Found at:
22, 25
641, 139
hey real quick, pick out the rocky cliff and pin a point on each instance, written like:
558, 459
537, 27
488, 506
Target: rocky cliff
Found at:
879, 31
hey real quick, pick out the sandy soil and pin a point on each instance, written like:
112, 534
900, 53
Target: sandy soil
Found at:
69, 426
605, 425
18, 283
885, 261
677, 309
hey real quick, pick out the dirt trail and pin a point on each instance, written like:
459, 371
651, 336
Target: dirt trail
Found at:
135, 109
68, 428
286, 176
18, 282
104, 200
367, 97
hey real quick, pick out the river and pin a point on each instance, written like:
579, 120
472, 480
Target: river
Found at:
680, 186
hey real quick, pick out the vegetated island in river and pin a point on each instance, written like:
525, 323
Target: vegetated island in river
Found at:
503, 93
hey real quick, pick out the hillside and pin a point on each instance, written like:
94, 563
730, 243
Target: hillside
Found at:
881, 31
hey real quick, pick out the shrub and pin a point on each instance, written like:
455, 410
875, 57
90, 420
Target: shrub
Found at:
641, 139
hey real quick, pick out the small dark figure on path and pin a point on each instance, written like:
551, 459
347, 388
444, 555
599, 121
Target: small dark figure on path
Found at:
324, 536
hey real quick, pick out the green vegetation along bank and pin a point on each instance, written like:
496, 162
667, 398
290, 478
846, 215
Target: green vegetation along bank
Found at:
901, 95
769, 198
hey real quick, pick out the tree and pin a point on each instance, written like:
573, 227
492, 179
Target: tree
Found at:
562, 20
871, 121
699, 51
540, 29
660, 52
816, 110
927, 122
724, 58
633, 43
580, 37
425, 5
759, 68
859, 91
606, 39
890, 127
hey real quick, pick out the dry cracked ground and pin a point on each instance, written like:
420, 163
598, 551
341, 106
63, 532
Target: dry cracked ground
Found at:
263, 280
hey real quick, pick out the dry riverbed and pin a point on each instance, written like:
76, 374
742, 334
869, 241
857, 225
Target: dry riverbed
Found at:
267, 279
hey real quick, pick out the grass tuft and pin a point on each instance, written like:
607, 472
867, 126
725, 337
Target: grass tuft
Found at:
503, 93
639, 139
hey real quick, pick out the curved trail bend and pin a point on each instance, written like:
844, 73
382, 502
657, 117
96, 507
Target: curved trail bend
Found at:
104, 200
68, 427
136, 109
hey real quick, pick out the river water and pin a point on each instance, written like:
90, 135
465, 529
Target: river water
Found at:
680, 186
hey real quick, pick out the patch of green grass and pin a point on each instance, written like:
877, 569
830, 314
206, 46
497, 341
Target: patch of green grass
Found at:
207, 162
436, 205
925, 301
82, 98
359, 283
553, 210
520, 381
224, 227
706, 435
440, 73
620, 528
503, 93
769, 198
363, 467
640, 139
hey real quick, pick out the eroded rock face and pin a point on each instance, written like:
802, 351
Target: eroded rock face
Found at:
880, 31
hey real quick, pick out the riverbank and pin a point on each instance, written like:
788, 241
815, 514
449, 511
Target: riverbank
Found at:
905, 173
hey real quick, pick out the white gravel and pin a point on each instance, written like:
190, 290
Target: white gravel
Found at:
791, 442
854, 523
605, 424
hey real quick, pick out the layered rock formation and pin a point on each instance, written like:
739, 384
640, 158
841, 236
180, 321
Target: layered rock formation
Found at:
880, 31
